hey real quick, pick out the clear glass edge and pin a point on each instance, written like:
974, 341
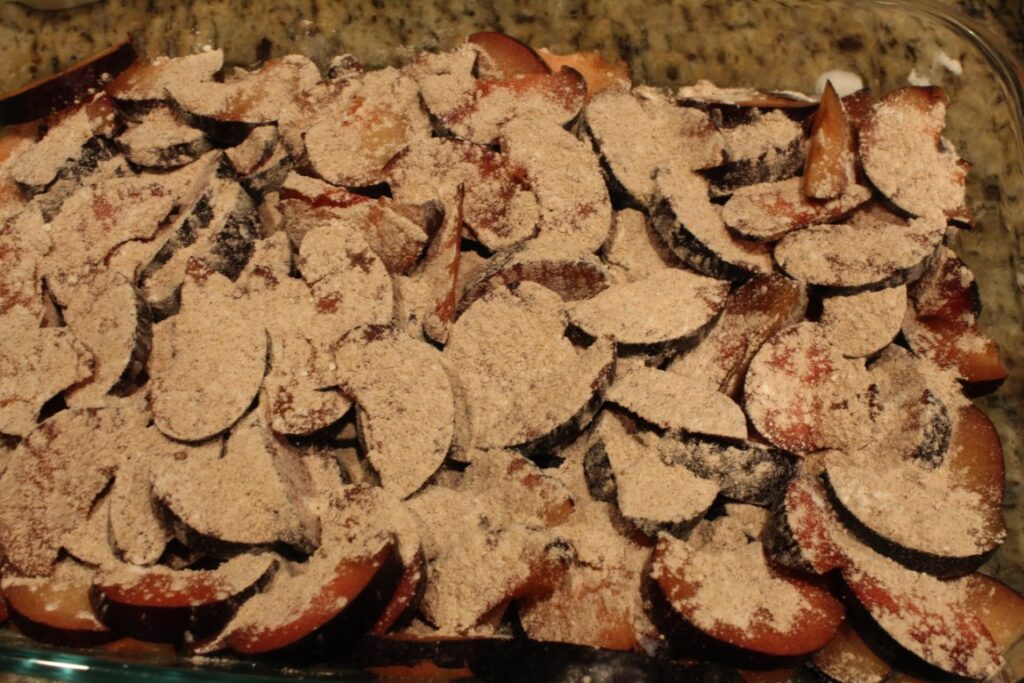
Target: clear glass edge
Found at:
37, 661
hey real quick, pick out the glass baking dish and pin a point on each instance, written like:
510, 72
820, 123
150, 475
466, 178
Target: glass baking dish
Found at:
772, 44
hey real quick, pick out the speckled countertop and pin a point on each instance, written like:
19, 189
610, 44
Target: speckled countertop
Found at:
777, 43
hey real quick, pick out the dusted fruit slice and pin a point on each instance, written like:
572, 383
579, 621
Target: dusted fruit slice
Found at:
252, 494
1000, 608
639, 132
766, 148
863, 324
512, 482
871, 254
599, 73
162, 140
436, 283
672, 402
35, 365
503, 56
212, 334
957, 346
383, 117
767, 612
654, 313
633, 250
693, 228
498, 205
23, 243
947, 289
804, 396
706, 93
847, 659
145, 83
830, 167
112, 319
545, 98
752, 313
565, 174
52, 93
560, 268
163, 605
56, 610
297, 404
406, 411
768, 211
903, 154
512, 401
53, 478
746, 472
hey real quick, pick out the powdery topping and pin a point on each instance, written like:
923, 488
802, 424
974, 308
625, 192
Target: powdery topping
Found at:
767, 211
686, 196
247, 495
152, 80
861, 324
765, 139
566, 177
497, 205
511, 398
23, 243
446, 82
706, 91
383, 117
938, 517
669, 306
169, 587
110, 318
89, 542
641, 131
633, 250
946, 289
516, 485
247, 156
212, 337
35, 365
161, 139
871, 253
748, 472
672, 402
404, 397
899, 147
37, 166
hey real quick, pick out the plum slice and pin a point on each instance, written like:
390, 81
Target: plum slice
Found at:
803, 395
693, 229
560, 268
56, 609
382, 118
775, 615
145, 83
52, 93
1000, 608
671, 402
657, 312
862, 324
405, 405
830, 167
511, 481
745, 472
112, 319
251, 494
161, 140
633, 250
259, 145
959, 347
435, 284
213, 331
707, 94
502, 56
511, 401
903, 156
947, 289
870, 253
769, 211
848, 659
164, 605
565, 174
766, 149
753, 313
598, 72
672, 134
498, 205
35, 365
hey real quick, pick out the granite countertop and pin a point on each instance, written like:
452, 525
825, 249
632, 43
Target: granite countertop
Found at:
738, 42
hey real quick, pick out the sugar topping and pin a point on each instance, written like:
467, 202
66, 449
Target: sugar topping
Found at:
861, 324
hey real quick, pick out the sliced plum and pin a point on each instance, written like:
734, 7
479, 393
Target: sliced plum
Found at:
736, 105
498, 205
382, 118
848, 659
633, 250
745, 472
554, 98
23, 244
862, 324
692, 227
674, 134
769, 211
803, 395
162, 140
903, 155
673, 403
163, 605
598, 72
947, 289
831, 164
513, 402
959, 347
56, 610
656, 313
435, 284
770, 614
68, 86
404, 400
213, 331
767, 148
145, 83
1000, 608
873, 253
89, 542
753, 312
502, 56
515, 483
560, 268
565, 174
